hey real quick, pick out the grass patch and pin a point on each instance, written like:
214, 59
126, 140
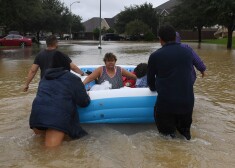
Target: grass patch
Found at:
222, 41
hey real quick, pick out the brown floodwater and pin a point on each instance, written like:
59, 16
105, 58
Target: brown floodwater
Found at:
121, 145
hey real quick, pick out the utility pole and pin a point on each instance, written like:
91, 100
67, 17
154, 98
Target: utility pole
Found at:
70, 29
99, 47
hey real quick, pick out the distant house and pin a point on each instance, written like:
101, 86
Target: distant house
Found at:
93, 23
110, 21
163, 10
222, 32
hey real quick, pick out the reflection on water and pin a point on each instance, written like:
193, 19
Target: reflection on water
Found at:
124, 145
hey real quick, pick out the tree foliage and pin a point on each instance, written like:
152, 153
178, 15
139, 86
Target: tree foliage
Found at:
52, 14
19, 15
96, 33
136, 27
190, 14
145, 13
110, 30
37, 15
224, 11
76, 24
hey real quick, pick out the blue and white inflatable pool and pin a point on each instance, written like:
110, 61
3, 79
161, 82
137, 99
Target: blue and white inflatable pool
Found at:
125, 105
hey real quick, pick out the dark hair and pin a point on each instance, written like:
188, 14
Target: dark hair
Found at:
167, 33
109, 57
141, 70
51, 40
60, 60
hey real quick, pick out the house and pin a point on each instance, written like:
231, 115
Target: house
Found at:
106, 23
110, 21
222, 32
93, 23
163, 10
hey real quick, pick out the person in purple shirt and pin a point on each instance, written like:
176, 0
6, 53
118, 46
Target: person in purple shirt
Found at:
197, 62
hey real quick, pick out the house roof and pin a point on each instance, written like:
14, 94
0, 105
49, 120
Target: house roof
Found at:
91, 24
167, 7
110, 21
94, 23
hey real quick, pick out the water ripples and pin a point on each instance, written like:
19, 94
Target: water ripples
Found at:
125, 145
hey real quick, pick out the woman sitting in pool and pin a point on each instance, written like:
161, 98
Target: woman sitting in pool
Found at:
110, 72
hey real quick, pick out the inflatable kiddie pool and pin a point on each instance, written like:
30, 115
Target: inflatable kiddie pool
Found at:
124, 105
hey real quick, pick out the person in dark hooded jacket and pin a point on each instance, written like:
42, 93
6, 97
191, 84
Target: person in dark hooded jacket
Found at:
170, 74
54, 107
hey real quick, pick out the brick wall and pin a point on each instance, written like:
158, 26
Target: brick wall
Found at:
193, 35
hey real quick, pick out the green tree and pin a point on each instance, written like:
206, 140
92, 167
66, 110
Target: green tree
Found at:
37, 15
110, 30
65, 21
199, 13
149, 36
137, 28
52, 14
145, 13
77, 26
191, 14
125, 17
224, 12
96, 33
19, 15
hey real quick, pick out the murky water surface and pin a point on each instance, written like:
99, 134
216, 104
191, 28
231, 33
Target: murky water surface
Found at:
125, 145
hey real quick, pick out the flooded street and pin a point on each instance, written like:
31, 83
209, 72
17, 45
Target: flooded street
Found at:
121, 145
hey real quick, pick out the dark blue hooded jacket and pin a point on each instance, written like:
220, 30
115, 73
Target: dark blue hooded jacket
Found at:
169, 73
54, 107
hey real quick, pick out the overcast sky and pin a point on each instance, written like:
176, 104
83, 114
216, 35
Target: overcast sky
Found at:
88, 9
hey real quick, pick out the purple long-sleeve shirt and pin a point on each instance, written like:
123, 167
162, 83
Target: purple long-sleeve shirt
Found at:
197, 62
